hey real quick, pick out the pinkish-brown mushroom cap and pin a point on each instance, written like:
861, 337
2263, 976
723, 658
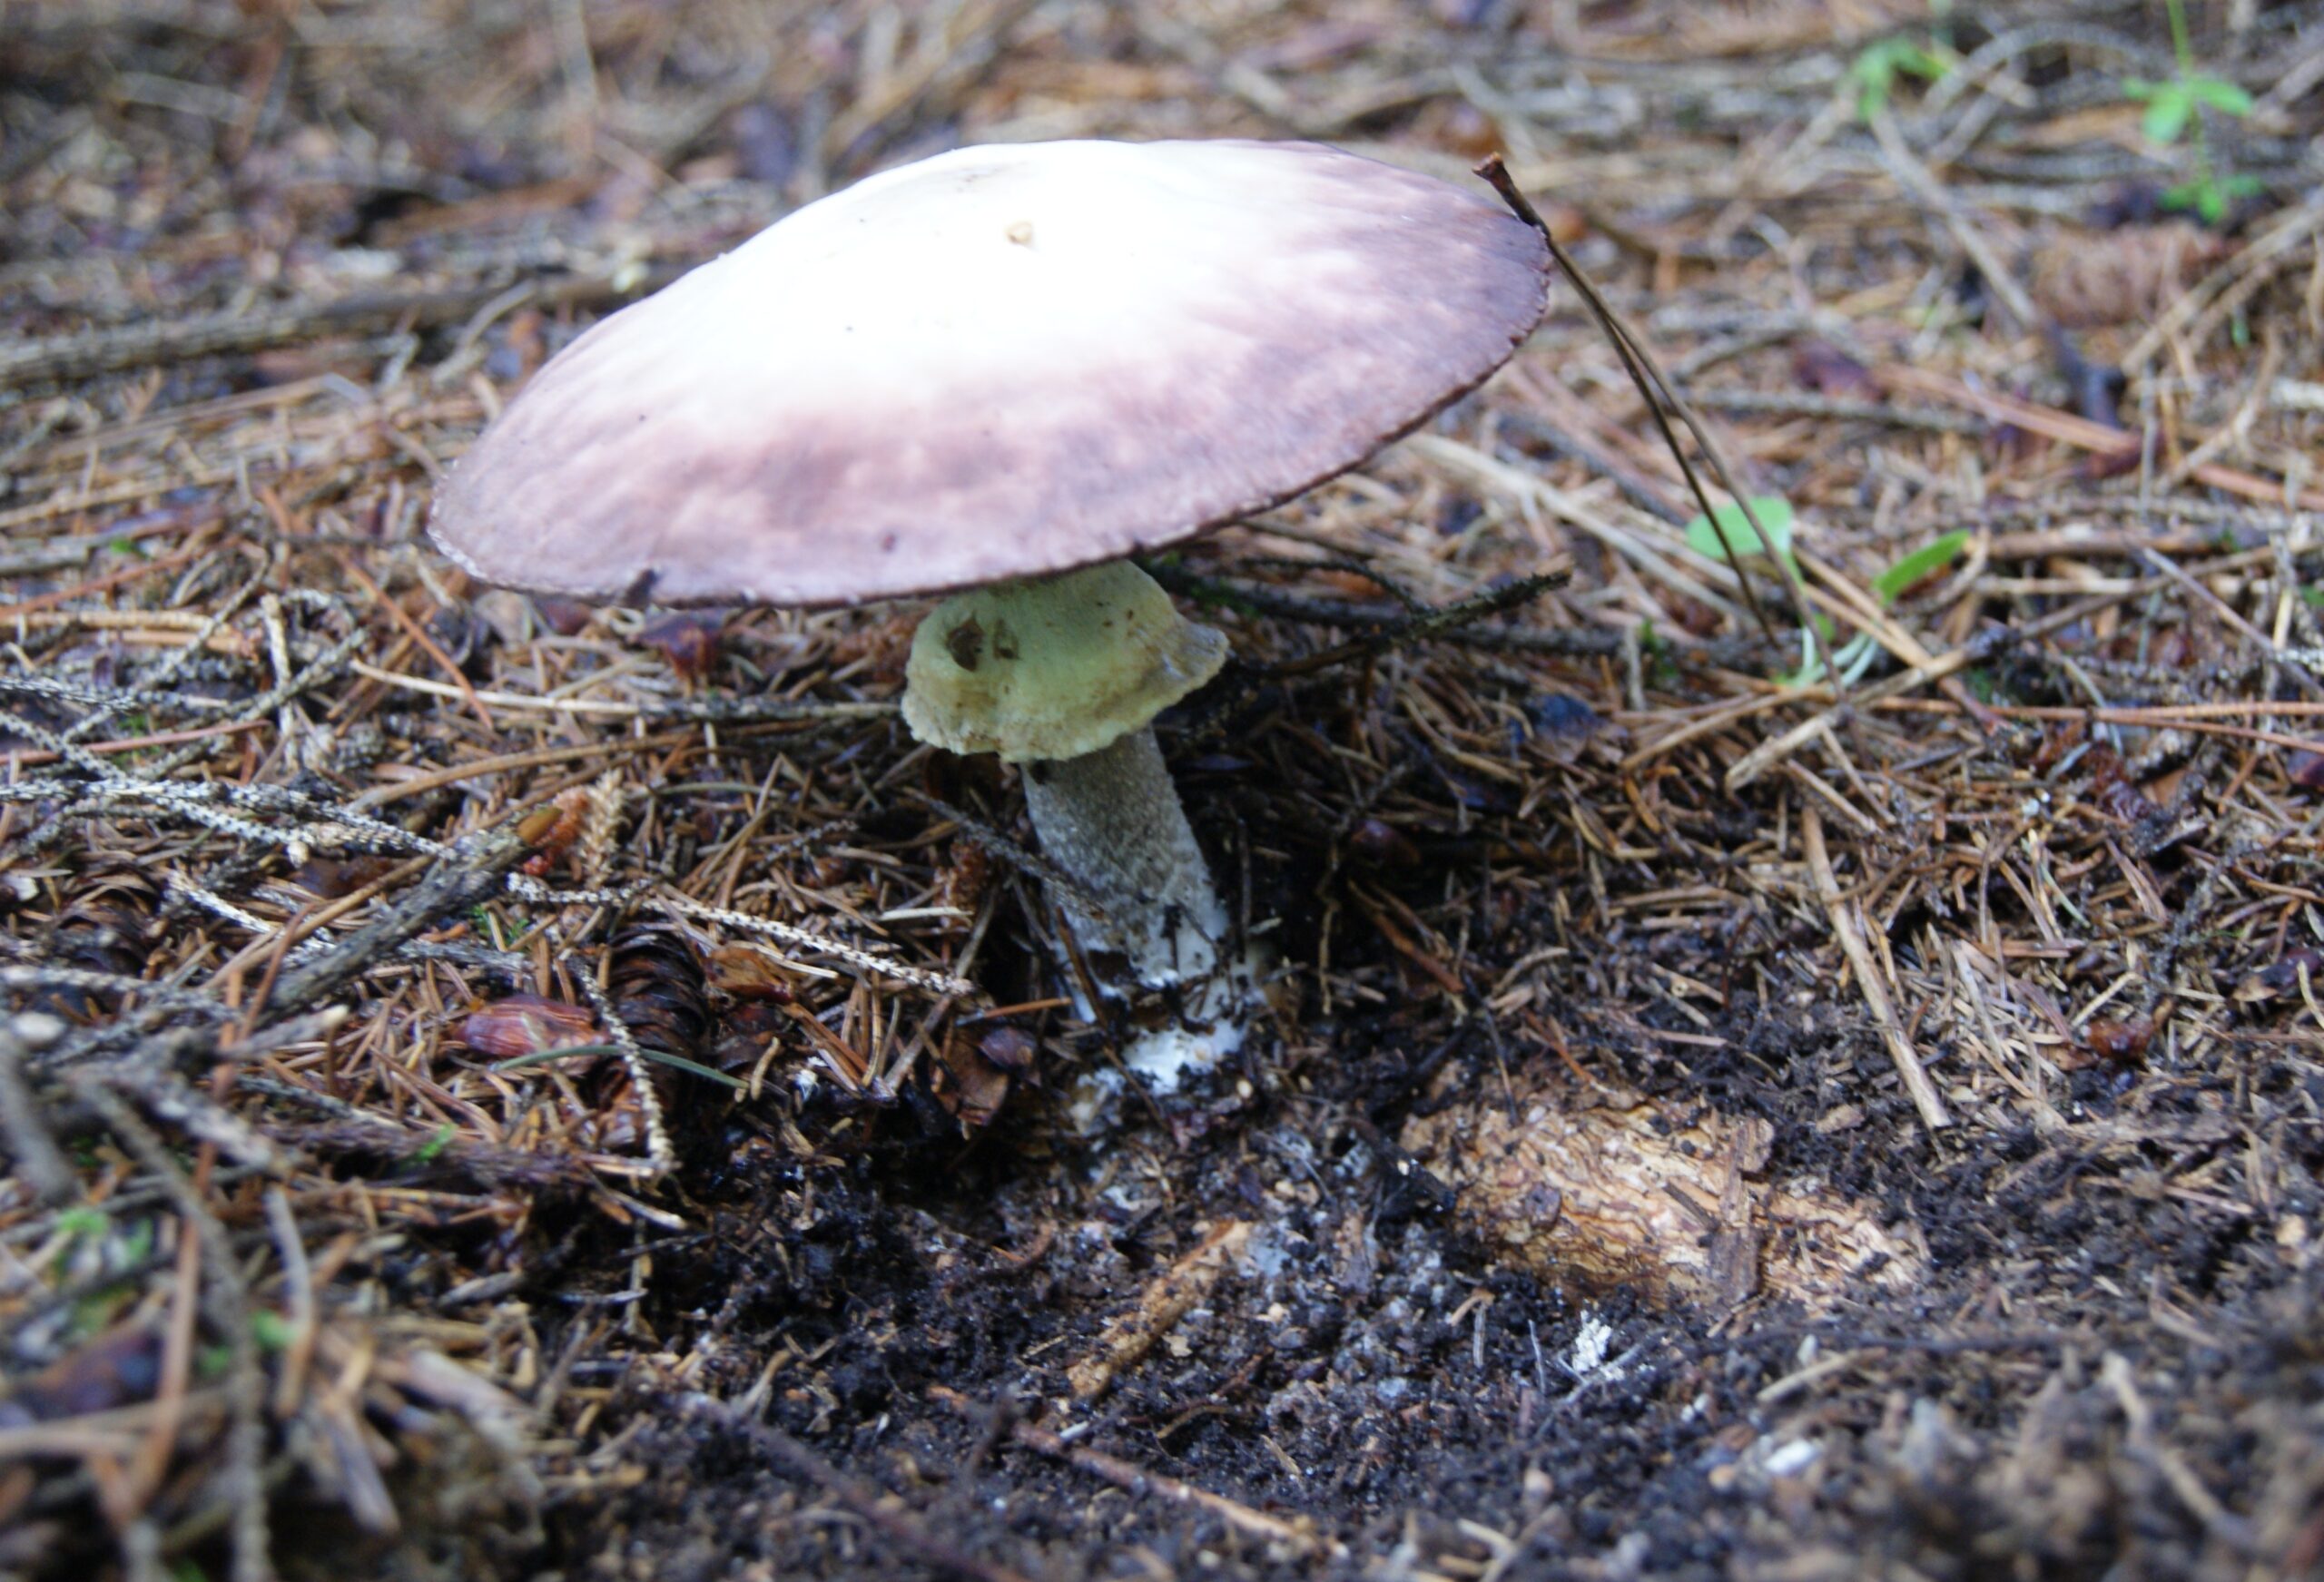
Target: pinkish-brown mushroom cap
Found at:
999, 362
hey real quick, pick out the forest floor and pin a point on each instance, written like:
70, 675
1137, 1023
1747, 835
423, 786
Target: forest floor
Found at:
1706, 1122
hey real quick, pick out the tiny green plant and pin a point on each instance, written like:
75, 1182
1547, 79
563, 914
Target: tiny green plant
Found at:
82, 1223
1889, 586
1883, 65
2171, 107
2174, 111
1925, 562
1704, 534
1661, 665
1727, 530
79, 1227
1727, 535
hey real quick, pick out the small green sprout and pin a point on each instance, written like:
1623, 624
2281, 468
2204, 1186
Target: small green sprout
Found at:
1856, 655
2171, 107
1729, 531
271, 1330
2174, 110
1727, 535
83, 1223
1925, 562
2209, 196
1656, 659
1885, 62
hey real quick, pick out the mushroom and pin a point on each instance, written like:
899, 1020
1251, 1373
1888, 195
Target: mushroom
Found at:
1002, 371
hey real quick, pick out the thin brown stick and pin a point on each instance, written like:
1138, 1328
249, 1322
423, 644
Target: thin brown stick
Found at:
1661, 397
1768, 753
1304, 1534
882, 1513
1847, 926
2084, 435
157, 343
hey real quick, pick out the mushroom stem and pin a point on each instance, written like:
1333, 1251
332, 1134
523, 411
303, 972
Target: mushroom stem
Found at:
1063, 675
1111, 819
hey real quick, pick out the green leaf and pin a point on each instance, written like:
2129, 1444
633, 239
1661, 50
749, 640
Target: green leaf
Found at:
1926, 561
1811, 660
2185, 195
2138, 90
95, 1313
271, 1330
1874, 78
2167, 114
2222, 96
2243, 185
1876, 67
1874, 72
1922, 64
1733, 532
82, 1223
427, 1152
2210, 201
1654, 649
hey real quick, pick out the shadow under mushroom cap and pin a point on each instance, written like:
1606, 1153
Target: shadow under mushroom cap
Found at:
1002, 361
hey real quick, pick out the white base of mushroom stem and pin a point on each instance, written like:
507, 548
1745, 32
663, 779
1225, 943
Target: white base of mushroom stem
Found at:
1111, 819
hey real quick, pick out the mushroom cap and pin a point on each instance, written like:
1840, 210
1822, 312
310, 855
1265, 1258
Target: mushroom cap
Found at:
1002, 361
1056, 667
